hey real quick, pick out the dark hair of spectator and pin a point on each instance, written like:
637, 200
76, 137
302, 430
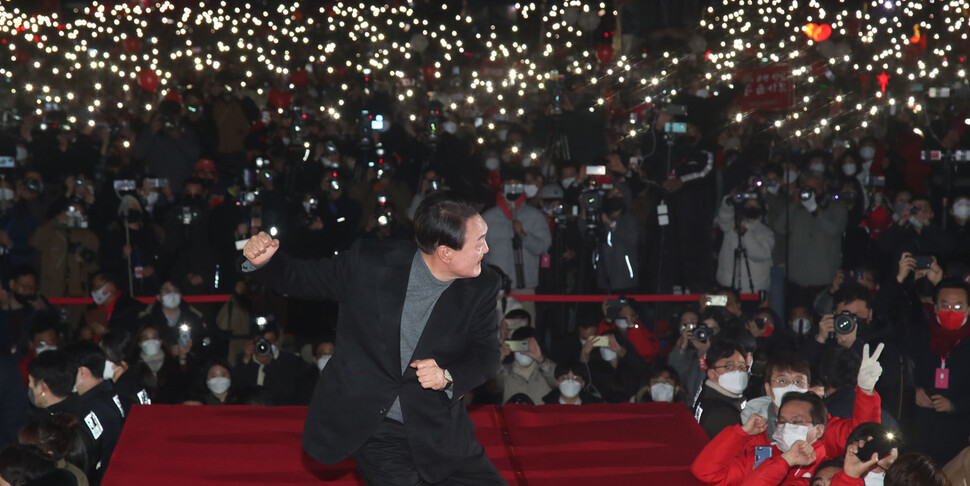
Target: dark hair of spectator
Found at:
787, 362
20, 464
519, 314
440, 220
951, 283
837, 463
56, 369
563, 369
523, 333
915, 469
43, 322
88, 355
511, 173
820, 415
107, 278
721, 349
23, 270
839, 367
519, 398
58, 436
851, 292
118, 346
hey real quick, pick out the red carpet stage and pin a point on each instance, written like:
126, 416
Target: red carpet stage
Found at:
535, 446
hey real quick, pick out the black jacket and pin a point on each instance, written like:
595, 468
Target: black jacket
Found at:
362, 380
716, 411
283, 383
101, 415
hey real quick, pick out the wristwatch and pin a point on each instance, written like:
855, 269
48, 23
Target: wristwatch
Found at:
449, 379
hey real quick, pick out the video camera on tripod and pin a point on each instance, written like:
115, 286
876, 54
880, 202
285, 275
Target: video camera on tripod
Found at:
593, 193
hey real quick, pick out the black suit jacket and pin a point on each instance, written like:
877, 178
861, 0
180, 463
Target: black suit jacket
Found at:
361, 381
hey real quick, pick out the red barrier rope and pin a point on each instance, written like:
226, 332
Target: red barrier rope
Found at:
205, 299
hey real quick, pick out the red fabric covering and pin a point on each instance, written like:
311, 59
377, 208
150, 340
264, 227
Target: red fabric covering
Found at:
549, 445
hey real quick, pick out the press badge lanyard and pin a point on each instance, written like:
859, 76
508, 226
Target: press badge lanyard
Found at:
942, 378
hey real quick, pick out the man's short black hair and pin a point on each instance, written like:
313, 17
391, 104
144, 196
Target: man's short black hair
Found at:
88, 355
820, 415
563, 369
721, 349
118, 346
839, 367
951, 283
788, 362
533, 171
56, 369
851, 292
865, 430
523, 333
23, 270
194, 180
22, 464
440, 220
42, 323
519, 314
512, 174
107, 278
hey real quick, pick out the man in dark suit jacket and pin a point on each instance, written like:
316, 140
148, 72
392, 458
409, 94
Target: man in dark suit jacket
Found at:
416, 331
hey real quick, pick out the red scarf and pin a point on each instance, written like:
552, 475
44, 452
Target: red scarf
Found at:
503, 204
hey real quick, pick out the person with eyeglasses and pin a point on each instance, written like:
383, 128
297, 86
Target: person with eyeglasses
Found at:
721, 398
784, 373
940, 349
804, 438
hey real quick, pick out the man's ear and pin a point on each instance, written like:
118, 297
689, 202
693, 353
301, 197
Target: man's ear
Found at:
711, 375
444, 253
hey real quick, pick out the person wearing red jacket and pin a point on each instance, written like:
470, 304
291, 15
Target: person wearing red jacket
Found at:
628, 324
855, 470
805, 437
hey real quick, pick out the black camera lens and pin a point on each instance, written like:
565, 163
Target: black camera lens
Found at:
845, 322
702, 333
914, 210
806, 194
263, 348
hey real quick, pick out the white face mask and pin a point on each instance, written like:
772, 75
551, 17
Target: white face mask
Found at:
100, 296
867, 153
875, 478
44, 347
450, 127
523, 360
531, 190
621, 323
787, 434
801, 326
817, 167
502, 134
6, 194
21, 153
662, 392
568, 182
151, 347
734, 381
570, 388
151, 198
962, 210
607, 354
773, 189
491, 163
322, 362
218, 384
849, 169
109, 370
779, 393
790, 176
171, 300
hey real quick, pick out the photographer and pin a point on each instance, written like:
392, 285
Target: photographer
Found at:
915, 232
188, 241
169, 149
132, 247
339, 214
170, 312
20, 309
273, 375
851, 326
744, 261
68, 251
696, 331
618, 266
813, 224
517, 237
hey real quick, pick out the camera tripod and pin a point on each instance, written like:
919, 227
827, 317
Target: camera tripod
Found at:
740, 255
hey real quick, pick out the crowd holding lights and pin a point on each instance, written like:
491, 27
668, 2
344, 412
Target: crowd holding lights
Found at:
882, 54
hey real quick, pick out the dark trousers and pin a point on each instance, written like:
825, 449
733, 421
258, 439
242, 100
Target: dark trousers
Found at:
385, 460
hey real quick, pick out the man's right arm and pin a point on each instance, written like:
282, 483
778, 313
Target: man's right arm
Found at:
325, 278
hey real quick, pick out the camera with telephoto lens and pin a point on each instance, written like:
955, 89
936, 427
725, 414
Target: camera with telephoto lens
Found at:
806, 194
188, 215
741, 197
33, 185
263, 348
845, 322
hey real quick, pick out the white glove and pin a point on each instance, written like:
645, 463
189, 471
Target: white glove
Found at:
870, 370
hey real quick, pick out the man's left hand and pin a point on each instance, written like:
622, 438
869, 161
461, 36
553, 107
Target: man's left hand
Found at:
429, 374
940, 403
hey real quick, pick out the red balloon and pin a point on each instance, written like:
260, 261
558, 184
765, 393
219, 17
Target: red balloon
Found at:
341, 71
22, 56
132, 44
148, 80
604, 53
280, 99
299, 78
428, 70
174, 96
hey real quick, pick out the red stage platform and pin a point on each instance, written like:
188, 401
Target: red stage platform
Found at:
535, 446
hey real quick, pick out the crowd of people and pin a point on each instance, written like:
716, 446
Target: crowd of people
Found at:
851, 248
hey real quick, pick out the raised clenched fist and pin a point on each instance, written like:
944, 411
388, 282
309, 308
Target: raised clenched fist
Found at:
260, 248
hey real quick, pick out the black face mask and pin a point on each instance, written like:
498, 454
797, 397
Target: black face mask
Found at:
923, 287
24, 300
134, 216
751, 213
613, 204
